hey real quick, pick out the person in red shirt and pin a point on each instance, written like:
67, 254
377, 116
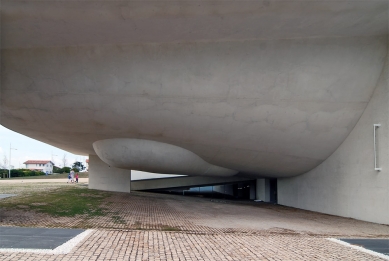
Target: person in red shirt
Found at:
76, 177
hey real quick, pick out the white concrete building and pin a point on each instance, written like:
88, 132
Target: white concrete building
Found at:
46, 166
293, 94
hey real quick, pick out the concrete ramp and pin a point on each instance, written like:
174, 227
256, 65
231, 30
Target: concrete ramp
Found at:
179, 182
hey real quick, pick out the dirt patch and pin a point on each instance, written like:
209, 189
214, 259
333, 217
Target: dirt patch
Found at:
23, 206
38, 204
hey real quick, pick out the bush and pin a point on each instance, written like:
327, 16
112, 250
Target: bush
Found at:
4, 173
17, 173
25, 173
62, 170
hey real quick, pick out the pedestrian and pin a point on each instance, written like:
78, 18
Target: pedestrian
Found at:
76, 177
72, 175
69, 178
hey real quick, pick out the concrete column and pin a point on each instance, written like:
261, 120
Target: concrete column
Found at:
263, 190
104, 177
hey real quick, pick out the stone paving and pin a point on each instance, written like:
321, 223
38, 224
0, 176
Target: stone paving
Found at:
148, 226
160, 245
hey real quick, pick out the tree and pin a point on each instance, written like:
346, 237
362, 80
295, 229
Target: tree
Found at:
4, 164
78, 166
63, 170
56, 169
64, 160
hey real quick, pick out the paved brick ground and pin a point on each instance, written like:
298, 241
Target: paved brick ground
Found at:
151, 211
159, 245
147, 226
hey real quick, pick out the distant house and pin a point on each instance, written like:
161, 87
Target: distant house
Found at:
45, 166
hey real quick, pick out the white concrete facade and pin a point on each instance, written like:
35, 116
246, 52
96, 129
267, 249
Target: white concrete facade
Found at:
347, 184
256, 89
105, 177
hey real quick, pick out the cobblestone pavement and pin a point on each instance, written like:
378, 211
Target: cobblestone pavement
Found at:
160, 245
148, 226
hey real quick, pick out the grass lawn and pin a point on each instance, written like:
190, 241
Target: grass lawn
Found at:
55, 176
62, 202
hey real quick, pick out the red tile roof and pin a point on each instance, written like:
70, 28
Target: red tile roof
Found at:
36, 161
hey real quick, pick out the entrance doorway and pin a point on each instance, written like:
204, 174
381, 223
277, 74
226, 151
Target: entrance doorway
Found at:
273, 190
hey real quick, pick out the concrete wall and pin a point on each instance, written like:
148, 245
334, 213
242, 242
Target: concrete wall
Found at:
346, 184
103, 177
263, 189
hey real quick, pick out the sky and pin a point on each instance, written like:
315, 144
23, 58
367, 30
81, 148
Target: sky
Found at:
30, 149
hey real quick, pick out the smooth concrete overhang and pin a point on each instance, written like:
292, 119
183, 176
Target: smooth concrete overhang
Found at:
267, 88
153, 156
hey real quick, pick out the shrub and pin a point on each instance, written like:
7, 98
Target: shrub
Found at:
24, 173
62, 170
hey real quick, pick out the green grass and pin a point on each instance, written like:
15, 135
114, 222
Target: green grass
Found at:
61, 202
22, 189
54, 176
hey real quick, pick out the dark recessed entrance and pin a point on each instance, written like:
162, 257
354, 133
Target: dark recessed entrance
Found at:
273, 190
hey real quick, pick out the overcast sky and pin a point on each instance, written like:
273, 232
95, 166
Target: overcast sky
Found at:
30, 149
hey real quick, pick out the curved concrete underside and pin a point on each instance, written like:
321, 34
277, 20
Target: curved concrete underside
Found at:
267, 89
155, 157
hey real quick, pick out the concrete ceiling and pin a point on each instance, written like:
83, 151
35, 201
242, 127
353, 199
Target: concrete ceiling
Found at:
68, 23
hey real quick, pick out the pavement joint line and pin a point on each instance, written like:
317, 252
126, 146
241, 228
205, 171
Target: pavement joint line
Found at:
362, 249
65, 248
